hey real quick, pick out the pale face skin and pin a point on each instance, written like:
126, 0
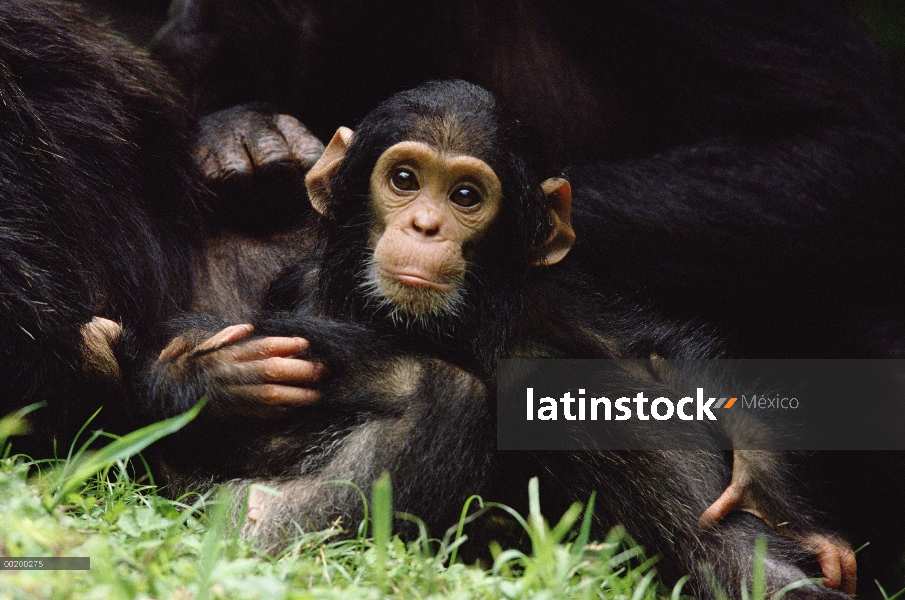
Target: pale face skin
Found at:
429, 207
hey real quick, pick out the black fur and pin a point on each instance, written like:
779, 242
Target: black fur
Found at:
97, 210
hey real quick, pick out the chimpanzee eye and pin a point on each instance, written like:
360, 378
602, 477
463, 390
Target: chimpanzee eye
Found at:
404, 180
466, 197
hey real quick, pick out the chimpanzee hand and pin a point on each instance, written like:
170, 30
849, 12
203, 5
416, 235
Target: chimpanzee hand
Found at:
254, 159
752, 477
246, 140
264, 372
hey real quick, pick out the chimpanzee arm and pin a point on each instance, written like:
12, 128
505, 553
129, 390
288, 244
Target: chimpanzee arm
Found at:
259, 369
261, 380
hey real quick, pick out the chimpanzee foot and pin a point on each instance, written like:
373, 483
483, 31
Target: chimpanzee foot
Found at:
835, 557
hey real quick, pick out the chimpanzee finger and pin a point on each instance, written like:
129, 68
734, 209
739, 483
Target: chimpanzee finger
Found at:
255, 501
276, 395
220, 150
231, 334
268, 148
279, 370
223, 157
208, 161
101, 331
176, 348
184, 343
304, 147
232, 160
849, 565
828, 557
268, 347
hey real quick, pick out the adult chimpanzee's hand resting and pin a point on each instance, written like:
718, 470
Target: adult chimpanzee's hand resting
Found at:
255, 162
264, 374
250, 140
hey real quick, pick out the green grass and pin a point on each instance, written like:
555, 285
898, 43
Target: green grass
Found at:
143, 545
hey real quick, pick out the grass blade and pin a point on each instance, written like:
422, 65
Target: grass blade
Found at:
121, 449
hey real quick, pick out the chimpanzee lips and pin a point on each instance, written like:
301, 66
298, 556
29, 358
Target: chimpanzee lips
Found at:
416, 280
411, 297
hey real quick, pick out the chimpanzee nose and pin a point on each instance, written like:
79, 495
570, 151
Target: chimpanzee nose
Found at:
426, 221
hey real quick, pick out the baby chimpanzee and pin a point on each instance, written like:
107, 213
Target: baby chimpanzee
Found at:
443, 246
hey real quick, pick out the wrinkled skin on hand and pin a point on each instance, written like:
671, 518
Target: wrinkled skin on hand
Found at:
255, 162
265, 373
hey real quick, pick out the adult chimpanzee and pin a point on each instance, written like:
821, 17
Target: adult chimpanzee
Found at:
740, 162
441, 252
97, 210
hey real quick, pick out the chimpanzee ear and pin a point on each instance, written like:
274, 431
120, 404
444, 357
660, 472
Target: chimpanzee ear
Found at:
559, 193
318, 178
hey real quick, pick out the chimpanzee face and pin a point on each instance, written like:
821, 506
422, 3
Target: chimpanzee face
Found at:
431, 209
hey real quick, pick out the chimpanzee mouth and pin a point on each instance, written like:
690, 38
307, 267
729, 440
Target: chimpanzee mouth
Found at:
410, 299
417, 281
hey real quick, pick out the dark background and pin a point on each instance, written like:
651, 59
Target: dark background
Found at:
886, 21
136, 19
139, 19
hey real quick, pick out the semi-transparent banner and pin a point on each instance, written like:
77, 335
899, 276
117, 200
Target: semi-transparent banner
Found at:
663, 404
